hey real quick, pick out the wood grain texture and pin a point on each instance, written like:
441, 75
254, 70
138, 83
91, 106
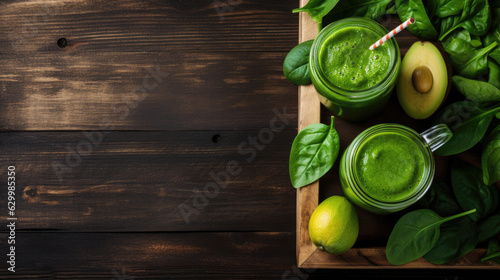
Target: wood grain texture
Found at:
213, 66
309, 113
136, 181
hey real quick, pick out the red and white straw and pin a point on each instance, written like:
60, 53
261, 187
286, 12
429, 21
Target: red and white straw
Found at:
392, 33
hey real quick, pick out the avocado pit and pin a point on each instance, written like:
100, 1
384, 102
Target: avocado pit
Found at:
422, 79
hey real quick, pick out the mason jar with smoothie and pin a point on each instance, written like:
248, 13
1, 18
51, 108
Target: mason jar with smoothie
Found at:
353, 81
388, 167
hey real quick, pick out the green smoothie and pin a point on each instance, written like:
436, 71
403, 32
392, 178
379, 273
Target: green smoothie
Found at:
348, 63
389, 166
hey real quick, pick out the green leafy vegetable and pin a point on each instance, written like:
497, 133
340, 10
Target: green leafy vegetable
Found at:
468, 121
466, 60
415, 234
476, 90
296, 64
493, 252
471, 192
446, 8
490, 158
422, 27
313, 153
489, 227
317, 9
440, 199
475, 18
493, 36
372, 9
494, 76
457, 34
495, 54
457, 238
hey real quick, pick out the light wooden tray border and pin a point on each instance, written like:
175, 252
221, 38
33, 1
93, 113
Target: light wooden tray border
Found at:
308, 256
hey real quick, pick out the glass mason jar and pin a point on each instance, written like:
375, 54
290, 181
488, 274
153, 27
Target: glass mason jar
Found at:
348, 104
427, 142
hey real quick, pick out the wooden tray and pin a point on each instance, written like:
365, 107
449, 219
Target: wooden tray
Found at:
362, 256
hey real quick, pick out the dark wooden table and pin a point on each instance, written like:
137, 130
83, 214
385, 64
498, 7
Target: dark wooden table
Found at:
150, 140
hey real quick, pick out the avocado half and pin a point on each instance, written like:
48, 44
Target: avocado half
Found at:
424, 80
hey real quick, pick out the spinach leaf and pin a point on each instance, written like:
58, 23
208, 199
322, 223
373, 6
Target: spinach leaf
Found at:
296, 65
493, 252
476, 90
415, 234
463, 34
490, 158
422, 27
457, 34
489, 227
392, 10
475, 18
494, 76
446, 8
313, 153
468, 121
457, 238
471, 192
466, 60
495, 54
494, 33
317, 9
440, 199
372, 9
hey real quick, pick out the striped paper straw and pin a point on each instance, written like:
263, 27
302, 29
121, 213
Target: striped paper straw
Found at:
392, 33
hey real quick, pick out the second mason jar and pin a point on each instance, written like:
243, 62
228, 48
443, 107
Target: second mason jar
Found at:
389, 167
354, 82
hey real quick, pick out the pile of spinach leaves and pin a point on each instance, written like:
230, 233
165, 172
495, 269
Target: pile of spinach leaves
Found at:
470, 33
461, 232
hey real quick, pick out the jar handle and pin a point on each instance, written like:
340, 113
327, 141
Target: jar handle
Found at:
436, 136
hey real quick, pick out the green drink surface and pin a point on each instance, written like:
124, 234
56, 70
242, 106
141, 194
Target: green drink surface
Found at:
389, 166
348, 63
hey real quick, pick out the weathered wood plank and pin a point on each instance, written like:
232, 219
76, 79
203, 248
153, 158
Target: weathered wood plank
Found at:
206, 60
139, 91
228, 255
151, 181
